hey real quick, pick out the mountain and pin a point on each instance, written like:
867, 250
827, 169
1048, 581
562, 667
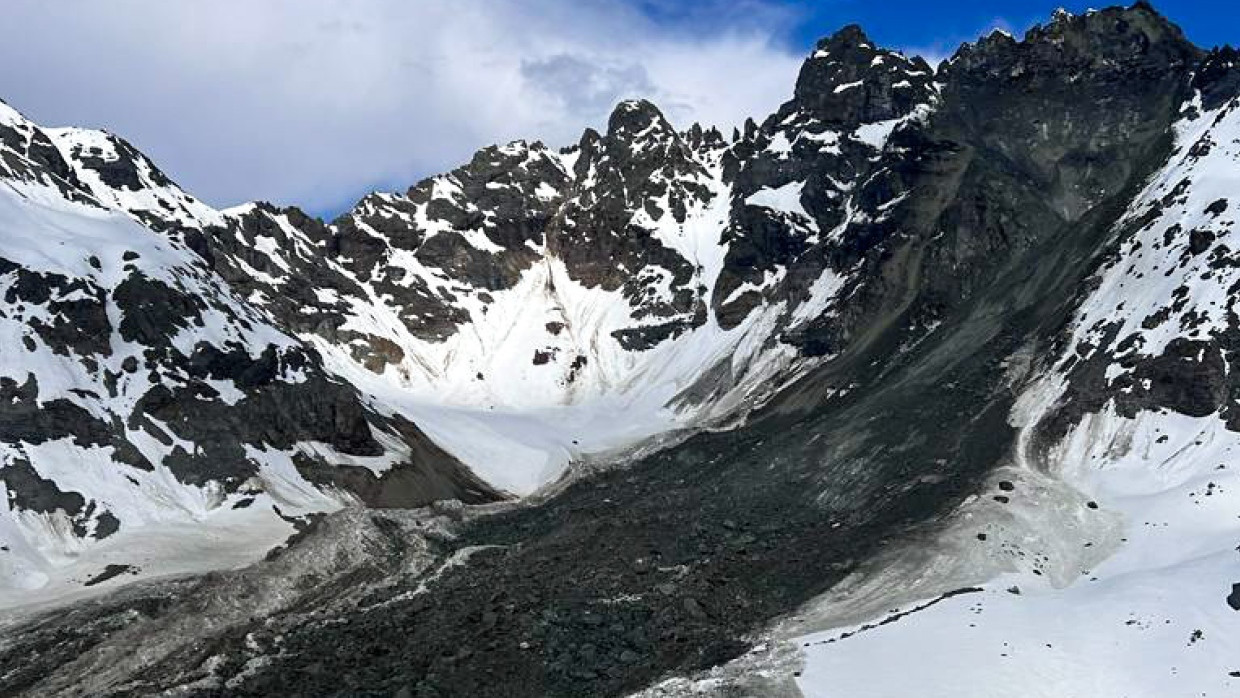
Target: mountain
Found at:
141, 395
930, 369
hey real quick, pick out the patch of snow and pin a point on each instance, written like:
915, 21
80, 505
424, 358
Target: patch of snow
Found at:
784, 199
780, 145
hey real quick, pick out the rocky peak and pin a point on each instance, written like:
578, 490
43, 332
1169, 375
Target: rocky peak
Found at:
121, 176
1114, 40
586, 152
637, 119
848, 39
1109, 84
1218, 77
848, 81
640, 140
28, 154
638, 156
699, 138
114, 160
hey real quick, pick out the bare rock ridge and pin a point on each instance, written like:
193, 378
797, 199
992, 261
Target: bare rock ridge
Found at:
794, 356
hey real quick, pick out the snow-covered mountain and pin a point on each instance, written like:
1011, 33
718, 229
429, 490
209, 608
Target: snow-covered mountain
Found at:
930, 369
533, 294
144, 403
510, 309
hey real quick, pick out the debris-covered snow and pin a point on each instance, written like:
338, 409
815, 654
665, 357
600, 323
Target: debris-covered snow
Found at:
1151, 620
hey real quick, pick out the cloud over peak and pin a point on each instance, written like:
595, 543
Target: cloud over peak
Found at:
314, 101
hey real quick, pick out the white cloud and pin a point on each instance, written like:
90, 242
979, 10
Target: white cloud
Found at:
314, 101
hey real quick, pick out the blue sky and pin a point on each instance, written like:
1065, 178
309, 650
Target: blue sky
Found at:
942, 25
316, 102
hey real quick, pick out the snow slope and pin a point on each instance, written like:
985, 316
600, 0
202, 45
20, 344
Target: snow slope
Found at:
46, 234
521, 422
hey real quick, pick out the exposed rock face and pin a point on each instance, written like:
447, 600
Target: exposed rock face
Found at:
1106, 84
848, 81
638, 180
917, 248
1169, 345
